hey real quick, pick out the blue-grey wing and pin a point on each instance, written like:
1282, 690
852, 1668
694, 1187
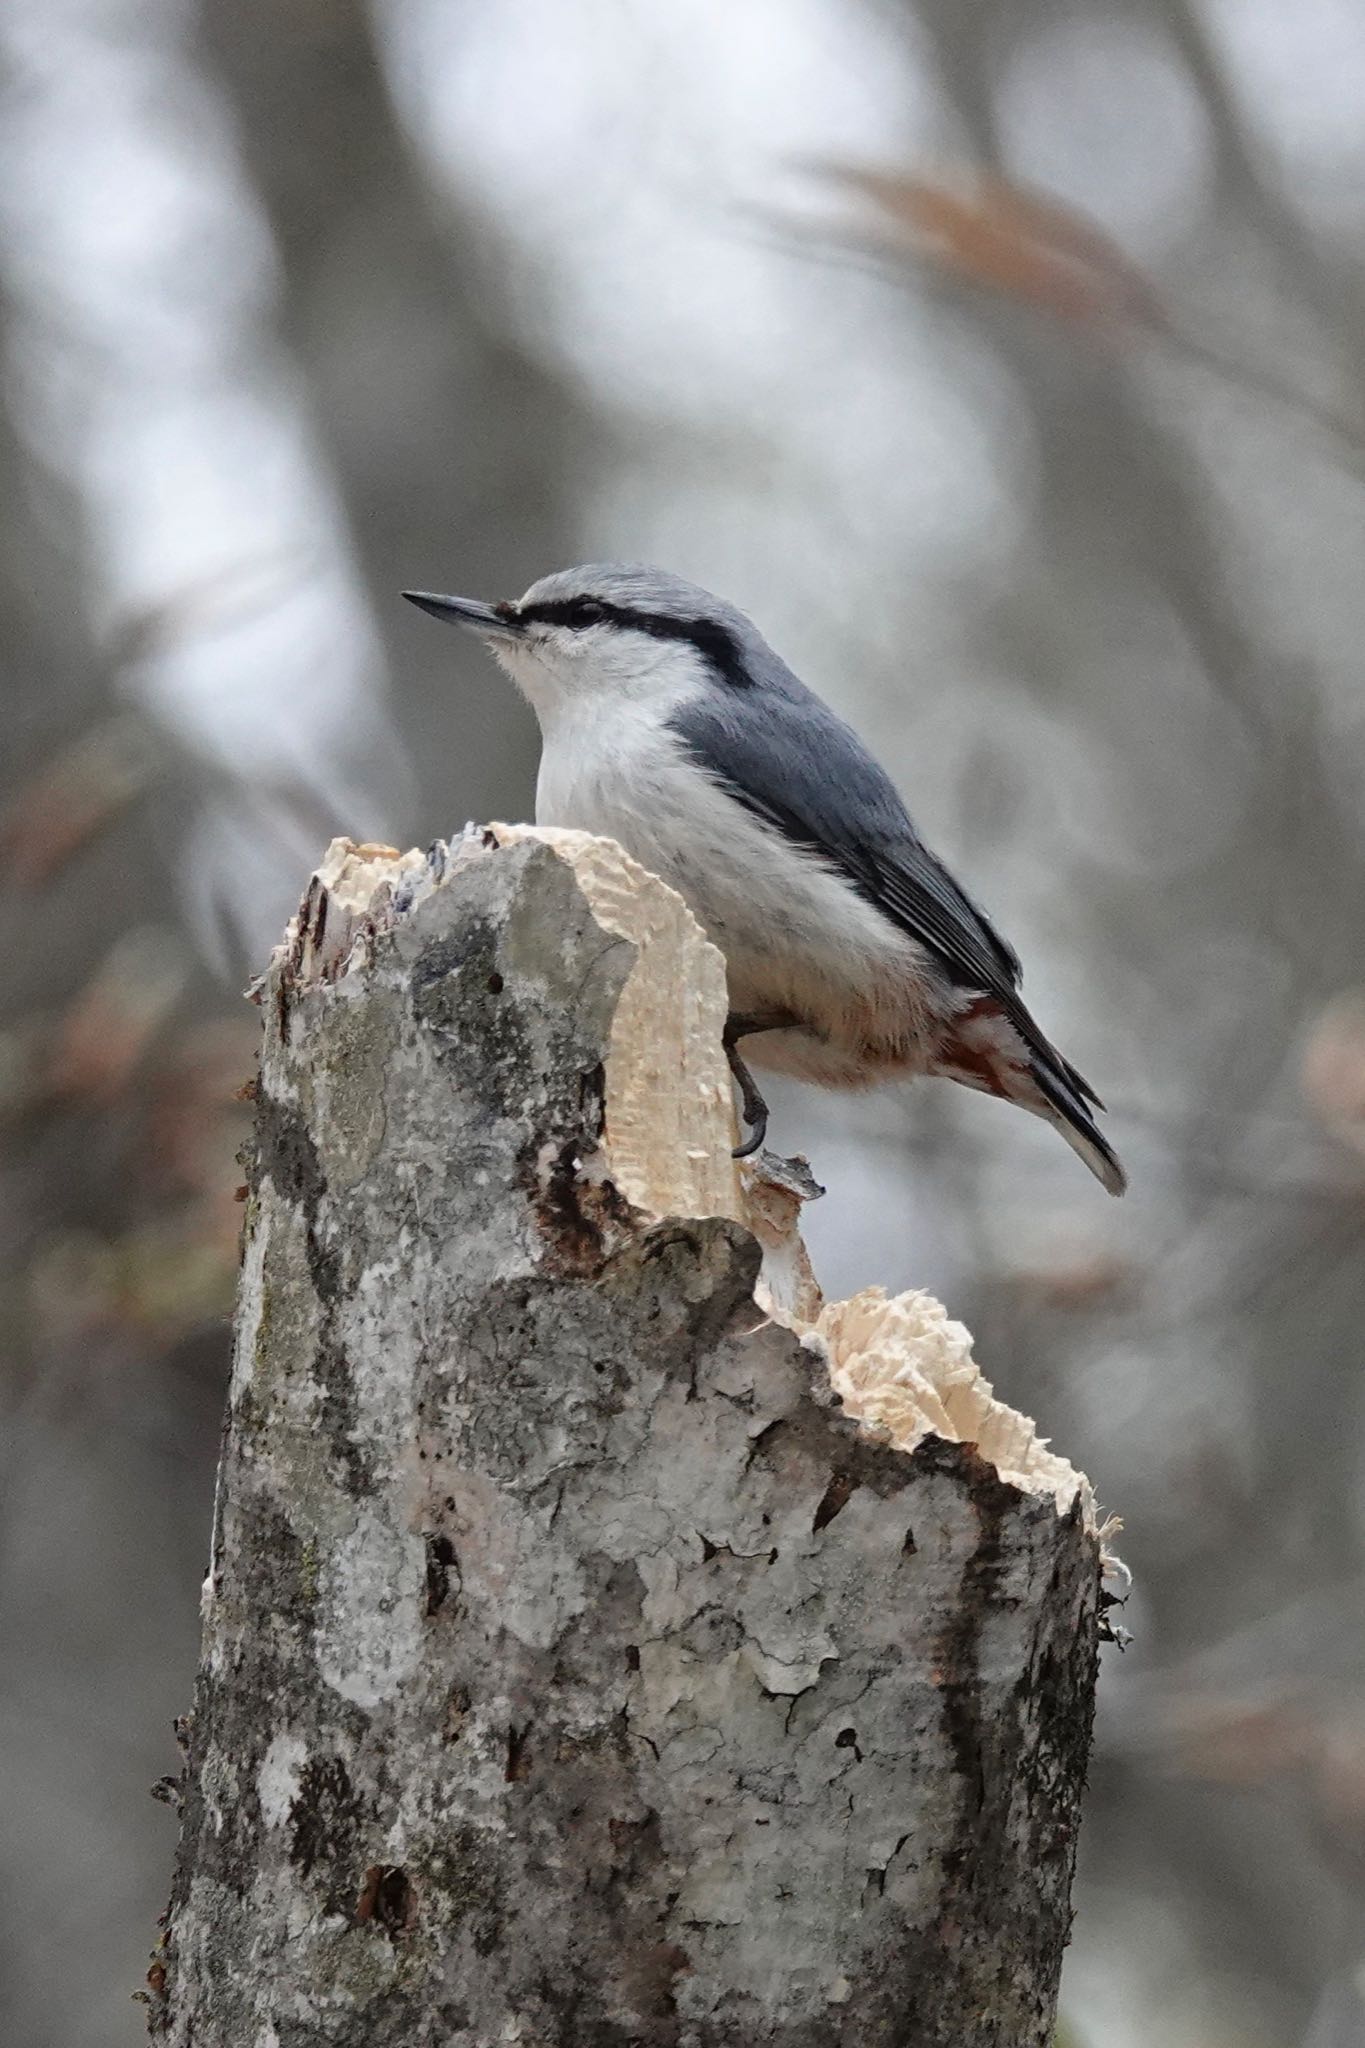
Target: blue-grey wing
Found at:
791, 762
787, 758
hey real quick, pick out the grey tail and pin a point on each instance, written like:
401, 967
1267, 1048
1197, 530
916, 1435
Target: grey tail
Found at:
1065, 1099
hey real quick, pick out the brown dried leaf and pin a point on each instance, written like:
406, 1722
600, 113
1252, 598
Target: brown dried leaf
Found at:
194, 1120
1022, 244
77, 795
1339, 1776
157, 1280
1097, 1279
1232, 1742
104, 1034
1332, 1072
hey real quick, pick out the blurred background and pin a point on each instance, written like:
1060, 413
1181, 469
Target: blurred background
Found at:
1006, 360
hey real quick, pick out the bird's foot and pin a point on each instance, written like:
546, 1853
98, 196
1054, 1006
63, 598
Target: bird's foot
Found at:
752, 1106
753, 1109
793, 1175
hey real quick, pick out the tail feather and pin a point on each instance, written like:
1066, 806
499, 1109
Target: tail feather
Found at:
1004, 1053
1066, 1111
1045, 1057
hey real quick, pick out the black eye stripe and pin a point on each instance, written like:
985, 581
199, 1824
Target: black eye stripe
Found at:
711, 639
572, 611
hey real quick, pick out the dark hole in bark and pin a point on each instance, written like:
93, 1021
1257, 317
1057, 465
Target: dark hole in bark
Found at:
388, 1899
909, 1547
570, 1213
324, 1816
635, 1847
495, 984
837, 1495
518, 1755
763, 1442
632, 1658
847, 1738
440, 1558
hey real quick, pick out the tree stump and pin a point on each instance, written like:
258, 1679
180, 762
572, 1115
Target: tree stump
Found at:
604, 1642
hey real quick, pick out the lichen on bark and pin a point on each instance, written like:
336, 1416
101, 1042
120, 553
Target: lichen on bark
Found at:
576, 1668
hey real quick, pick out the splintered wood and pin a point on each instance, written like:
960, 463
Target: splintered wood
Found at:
899, 1365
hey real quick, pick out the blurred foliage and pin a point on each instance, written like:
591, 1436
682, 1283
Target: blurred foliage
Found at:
120, 1098
996, 235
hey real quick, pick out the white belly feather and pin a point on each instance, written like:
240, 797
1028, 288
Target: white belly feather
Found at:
797, 938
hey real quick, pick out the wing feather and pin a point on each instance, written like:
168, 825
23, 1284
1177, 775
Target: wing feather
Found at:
792, 763
807, 774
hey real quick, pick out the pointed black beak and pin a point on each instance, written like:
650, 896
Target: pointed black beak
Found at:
491, 622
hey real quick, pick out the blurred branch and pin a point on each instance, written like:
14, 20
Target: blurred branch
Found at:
75, 796
1006, 239
1020, 244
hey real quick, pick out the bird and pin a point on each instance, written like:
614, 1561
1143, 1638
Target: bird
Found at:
852, 955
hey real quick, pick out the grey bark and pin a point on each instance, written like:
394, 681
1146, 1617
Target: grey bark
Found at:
574, 1669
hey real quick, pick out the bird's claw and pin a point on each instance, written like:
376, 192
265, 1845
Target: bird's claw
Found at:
758, 1131
753, 1108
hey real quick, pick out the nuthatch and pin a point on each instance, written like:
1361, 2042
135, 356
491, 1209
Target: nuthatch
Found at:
853, 957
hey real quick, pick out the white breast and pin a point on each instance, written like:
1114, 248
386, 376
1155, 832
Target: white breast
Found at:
796, 936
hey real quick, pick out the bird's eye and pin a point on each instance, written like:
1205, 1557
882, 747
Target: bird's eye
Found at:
586, 611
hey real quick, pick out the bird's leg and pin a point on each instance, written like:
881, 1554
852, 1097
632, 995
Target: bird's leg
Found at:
752, 1106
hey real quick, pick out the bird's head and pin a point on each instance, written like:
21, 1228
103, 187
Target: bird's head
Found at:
611, 632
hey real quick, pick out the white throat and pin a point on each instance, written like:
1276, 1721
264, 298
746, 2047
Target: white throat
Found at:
592, 677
